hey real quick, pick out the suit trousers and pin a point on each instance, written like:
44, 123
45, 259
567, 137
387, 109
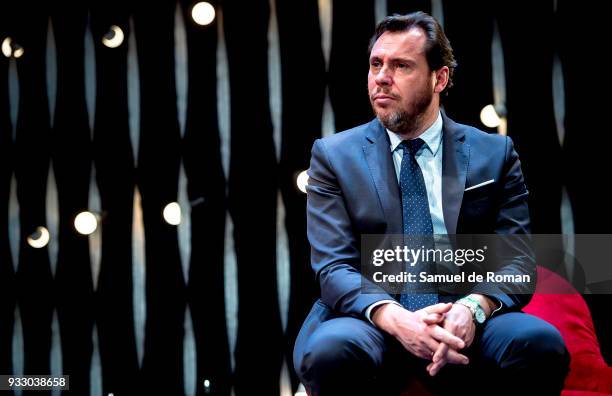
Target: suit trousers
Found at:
513, 353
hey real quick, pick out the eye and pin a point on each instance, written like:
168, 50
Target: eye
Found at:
375, 63
402, 65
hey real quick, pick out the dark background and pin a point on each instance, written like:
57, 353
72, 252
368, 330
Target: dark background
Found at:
237, 212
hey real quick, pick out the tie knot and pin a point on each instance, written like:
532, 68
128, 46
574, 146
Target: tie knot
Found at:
412, 146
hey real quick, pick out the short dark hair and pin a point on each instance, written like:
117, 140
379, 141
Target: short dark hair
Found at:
438, 50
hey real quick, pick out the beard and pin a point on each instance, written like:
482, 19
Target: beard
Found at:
405, 120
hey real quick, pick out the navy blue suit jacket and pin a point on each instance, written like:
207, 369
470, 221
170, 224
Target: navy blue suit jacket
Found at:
353, 190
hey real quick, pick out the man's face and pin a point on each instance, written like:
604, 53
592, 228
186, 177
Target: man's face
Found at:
400, 84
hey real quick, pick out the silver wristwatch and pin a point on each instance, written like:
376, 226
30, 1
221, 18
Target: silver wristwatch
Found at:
478, 313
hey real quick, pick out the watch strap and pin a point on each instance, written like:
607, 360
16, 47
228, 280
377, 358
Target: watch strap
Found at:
474, 306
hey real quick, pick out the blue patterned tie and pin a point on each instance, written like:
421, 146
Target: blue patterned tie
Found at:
416, 220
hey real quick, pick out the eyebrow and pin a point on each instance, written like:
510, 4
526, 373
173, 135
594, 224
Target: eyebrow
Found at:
395, 60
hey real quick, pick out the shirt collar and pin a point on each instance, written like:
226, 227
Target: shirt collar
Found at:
432, 136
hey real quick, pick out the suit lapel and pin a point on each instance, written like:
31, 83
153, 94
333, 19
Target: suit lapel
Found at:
455, 159
380, 163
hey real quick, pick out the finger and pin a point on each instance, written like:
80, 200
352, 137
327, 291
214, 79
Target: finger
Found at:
432, 346
440, 352
439, 360
436, 367
445, 336
438, 308
455, 357
424, 351
425, 354
433, 318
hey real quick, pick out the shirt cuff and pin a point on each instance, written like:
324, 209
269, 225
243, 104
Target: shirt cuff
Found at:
501, 304
369, 309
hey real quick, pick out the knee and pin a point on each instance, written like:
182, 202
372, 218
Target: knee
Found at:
332, 354
545, 343
541, 345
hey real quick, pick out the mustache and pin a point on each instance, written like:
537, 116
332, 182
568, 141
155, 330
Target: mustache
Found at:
382, 92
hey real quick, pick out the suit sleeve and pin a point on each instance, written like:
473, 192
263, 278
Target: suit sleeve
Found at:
335, 255
515, 254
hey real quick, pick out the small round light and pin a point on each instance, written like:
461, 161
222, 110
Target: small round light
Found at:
489, 116
7, 48
18, 50
207, 389
302, 181
86, 223
114, 37
172, 213
39, 238
203, 13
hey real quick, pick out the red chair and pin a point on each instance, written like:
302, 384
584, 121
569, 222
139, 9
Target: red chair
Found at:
557, 302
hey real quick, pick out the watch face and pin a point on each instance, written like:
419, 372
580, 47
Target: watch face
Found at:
480, 316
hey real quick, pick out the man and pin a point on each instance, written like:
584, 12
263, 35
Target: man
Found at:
412, 170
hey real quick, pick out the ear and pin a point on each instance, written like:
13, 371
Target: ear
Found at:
440, 79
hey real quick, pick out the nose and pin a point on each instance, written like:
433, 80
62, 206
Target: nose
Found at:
383, 77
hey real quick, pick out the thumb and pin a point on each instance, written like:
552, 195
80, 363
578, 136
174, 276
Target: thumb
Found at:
439, 308
433, 318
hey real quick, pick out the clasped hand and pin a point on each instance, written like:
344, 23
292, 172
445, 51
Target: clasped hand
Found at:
435, 333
